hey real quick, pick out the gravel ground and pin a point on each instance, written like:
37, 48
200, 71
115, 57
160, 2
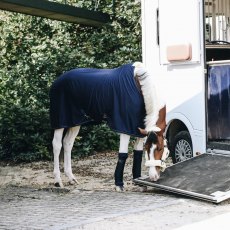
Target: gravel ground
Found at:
94, 173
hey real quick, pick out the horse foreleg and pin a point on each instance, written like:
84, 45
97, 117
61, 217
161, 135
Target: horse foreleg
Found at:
137, 162
57, 145
137, 157
122, 156
68, 142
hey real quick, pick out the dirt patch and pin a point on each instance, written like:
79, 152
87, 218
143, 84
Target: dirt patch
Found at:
94, 173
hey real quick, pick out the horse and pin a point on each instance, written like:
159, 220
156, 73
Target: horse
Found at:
127, 97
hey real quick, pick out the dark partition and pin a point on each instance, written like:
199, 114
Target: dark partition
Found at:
219, 102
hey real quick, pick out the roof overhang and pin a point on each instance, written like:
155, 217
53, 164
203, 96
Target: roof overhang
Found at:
57, 11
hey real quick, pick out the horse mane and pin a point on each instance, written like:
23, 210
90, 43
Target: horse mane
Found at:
150, 96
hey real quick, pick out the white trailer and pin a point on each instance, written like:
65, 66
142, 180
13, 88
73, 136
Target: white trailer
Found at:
186, 46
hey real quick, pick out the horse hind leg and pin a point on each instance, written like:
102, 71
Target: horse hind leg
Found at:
68, 142
57, 145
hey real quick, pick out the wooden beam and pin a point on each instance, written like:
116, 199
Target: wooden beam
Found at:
57, 11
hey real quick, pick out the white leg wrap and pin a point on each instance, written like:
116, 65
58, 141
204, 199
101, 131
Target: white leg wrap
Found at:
139, 144
124, 143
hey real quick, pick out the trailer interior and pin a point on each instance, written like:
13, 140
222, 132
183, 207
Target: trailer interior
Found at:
217, 47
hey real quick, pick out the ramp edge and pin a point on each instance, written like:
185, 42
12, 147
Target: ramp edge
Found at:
215, 198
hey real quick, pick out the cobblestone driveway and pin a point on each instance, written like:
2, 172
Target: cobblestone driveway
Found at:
27, 208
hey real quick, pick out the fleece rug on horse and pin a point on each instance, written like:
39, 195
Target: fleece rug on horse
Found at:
204, 177
84, 95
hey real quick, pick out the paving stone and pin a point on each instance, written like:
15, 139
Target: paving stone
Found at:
26, 208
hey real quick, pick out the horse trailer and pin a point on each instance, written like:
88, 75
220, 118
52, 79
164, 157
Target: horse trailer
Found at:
186, 46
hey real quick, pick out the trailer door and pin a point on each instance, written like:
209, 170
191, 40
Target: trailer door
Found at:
179, 31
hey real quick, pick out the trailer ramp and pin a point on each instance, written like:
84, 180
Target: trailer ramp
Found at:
205, 177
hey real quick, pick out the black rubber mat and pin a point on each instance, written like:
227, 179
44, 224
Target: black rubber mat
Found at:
206, 177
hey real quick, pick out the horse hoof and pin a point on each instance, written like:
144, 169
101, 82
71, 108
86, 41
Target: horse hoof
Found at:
139, 188
58, 185
76, 181
73, 181
142, 188
119, 188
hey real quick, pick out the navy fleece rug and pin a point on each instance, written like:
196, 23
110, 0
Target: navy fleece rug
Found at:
84, 95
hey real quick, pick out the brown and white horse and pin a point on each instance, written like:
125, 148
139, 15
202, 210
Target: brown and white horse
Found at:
154, 129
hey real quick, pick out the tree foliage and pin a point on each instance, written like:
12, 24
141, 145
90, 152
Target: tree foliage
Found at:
34, 51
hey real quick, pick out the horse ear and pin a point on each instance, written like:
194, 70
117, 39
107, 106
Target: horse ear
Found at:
156, 129
143, 131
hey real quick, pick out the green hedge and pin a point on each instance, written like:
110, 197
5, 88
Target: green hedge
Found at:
34, 51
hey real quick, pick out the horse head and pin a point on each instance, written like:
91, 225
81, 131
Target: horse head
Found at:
156, 150
156, 153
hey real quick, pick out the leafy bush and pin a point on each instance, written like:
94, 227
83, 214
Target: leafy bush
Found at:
96, 139
24, 134
34, 51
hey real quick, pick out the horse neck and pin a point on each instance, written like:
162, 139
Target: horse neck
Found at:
161, 122
150, 98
